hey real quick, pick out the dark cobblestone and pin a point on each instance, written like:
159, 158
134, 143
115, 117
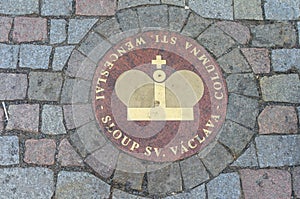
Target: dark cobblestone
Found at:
177, 18
237, 31
132, 3
127, 19
244, 9
243, 84
234, 62
153, 16
75, 91
247, 159
195, 25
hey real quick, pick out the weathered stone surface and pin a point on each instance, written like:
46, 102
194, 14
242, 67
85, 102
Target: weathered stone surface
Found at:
80, 185
96, 7
26, 183
174, 2
177, 18
243, 84
278, 10
165, 180
247, 159
234, 62
278, 150
61, 56
67, 156
40, 152
78, 28
278, 119
153, 16
75, 91
77, 115
217, 159
52, 120
281, 88
242, 110
258, 58
193, 172
132, 3
44, 86
58, 32
8, 56
56, 8
19, 7
285, 59
235, 137
35, 56
195, 25
271, 35
5, 26
128, 19
218, 9
109, 28
23, 117
266, 183
117, 194
196, 193
244, 9
296, 181
2, 119
90, 43
225, 186
8, 83
9, 150
237, 31
30, 29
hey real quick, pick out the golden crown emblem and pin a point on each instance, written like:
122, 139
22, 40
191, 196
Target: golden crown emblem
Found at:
159, 99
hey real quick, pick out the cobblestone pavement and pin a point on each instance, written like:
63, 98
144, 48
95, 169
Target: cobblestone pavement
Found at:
45, 151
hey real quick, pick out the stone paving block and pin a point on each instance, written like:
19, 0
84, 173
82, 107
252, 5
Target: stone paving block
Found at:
242, 110
8, 56
26, 183
19, 7
8, 83
282, 10
174, 2
165, 180
96, 7
195, 25
23, 117
153, 16
117, 194
40, 152
56, 8
296, 181
278, 150
2, 119
9, 150
244, 9
107, 28
285, 59
196, 193
298, 24
237, 31
61, 56
67, 156
5, 26
80, 185
35, 56
89, 43
266, 183
278, 119
30, 29
128, 19
247, 159
225, 186
75, 91
235, 137
274, 35
234, 62
193, 172
44, 86
219, 9
177, 18
58, 32
78, 28
104, 160
217, 159
132, 3
215, 40
52, 120
258, 58
243, 84
281, 88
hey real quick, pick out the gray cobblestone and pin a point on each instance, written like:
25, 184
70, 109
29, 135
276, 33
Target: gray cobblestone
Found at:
281, 88
128, 19
153, 16
177, 18
58, 32
78, 28
278, 150
9, 150
56, 8
77, 115
285, 59
298, 24
81, 92
61, 57
8, 56
282, 10
52, 120
132, 3
34, 56
2, 119
247, 159
196, 193
219, 9
19, 7
234, 62
8, 83
195, 25
243, 84
244, 9
90, 43
225, 186
117, 194
108, 28
26, 183
299, 116
80, 185
174, 2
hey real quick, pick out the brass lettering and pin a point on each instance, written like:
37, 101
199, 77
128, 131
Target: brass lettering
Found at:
139, 41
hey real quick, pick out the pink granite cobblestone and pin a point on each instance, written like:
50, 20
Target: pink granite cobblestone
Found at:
5, 26
258, 59
96, 7
67, 156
